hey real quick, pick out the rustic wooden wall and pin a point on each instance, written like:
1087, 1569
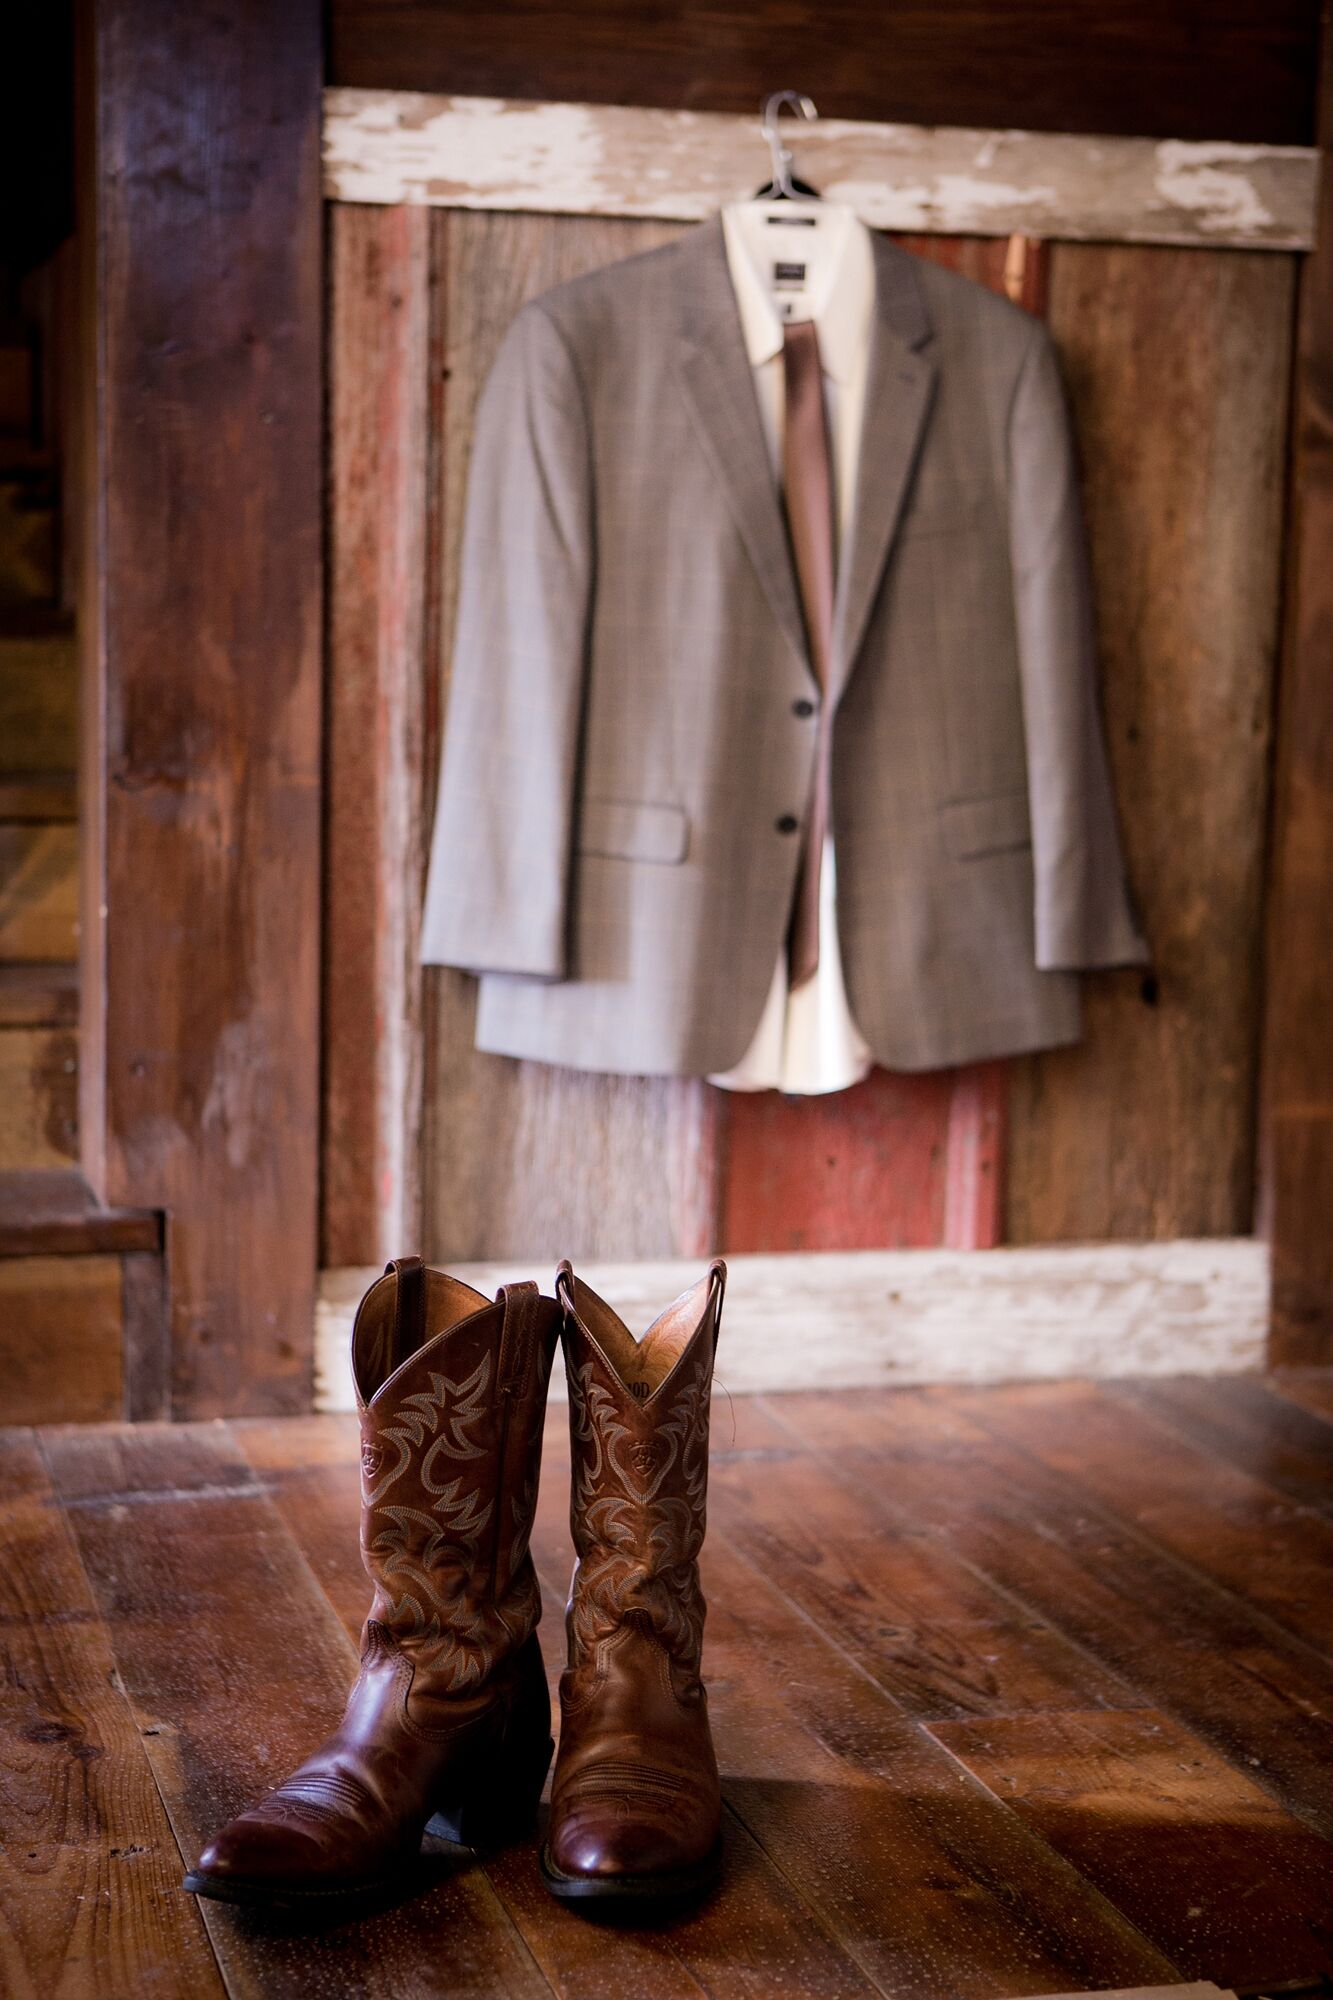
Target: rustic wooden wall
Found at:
1177, 364
1173, 67
203, 671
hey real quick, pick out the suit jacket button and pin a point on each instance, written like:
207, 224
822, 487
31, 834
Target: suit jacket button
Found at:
788, 823
803, 708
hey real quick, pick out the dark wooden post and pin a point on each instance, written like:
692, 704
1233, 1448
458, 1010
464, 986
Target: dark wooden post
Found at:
1296, 1198
202, 889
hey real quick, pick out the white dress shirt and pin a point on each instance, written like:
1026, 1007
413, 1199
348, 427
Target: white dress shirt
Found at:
807, 1042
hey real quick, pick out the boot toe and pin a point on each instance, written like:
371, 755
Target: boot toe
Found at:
626, 1848
262, 1851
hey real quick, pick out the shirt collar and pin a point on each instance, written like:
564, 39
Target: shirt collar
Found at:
845, 299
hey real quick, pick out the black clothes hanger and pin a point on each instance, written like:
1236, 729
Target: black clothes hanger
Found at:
784, 186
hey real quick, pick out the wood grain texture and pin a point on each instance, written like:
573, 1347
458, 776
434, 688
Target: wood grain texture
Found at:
922, 1881
39, 893
376, 824
525, 1160
1198, 1652
39, 996
38, 700
1225, 1524
1248, 1422
1146, 1128
55, 1214
1296, 1109
1124, 67
90, 1902
61, 1322
1311, 1389
206, 764
1199, 1857
232, 1697
585, 159
39, 1098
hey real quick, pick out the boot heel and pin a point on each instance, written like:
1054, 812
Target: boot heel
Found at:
500, 1803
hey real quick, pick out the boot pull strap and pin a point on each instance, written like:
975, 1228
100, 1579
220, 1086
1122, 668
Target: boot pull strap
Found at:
517, 1302
717, 1272
410, 1306
564, 1286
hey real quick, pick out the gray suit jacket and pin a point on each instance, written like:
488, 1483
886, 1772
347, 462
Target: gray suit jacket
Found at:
626, 738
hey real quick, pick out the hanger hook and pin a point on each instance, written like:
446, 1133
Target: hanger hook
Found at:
774, 105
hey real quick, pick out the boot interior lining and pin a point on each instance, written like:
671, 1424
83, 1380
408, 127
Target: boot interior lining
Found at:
643, 1365
380, 1345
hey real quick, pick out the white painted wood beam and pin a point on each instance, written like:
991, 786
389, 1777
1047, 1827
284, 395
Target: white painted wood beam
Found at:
593, 159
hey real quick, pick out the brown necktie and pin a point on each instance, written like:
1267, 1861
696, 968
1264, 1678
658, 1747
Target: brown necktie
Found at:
807, 482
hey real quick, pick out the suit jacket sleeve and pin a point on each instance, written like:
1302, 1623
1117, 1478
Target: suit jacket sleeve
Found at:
497, 891
1083, 913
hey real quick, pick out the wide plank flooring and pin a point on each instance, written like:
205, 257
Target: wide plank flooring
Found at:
1016, 1691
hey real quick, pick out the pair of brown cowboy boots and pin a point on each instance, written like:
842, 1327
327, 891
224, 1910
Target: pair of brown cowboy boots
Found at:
449, 1721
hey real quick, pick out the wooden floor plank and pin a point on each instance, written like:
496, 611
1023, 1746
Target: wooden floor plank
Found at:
1225, 1524
1242, 1419
90, 1902
755, 1941
937, 1636
235, 1666
1311, 1388
1205, 1862
925, 1882
1264, 1701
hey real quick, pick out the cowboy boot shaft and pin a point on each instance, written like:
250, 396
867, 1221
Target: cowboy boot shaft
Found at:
450, 1456
636, 1803
449, 1714
638, 1504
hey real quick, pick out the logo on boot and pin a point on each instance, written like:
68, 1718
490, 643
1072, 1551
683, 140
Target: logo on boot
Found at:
372, 1458
647, 1457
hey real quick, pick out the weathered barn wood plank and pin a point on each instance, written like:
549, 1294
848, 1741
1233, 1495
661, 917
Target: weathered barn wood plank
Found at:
1296, 1109
1244, 74
375, 804
38, 700
172, 1516
39, 893
524, 1159
203, 748
1249, 1422
1193, 1852
61, 1328
617, 160
1228, 1526
39, 1092
910, 1871
878, 1317
90, 1902
1146, 1129
1260, 1698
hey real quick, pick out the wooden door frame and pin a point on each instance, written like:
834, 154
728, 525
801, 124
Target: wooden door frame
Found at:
201, 1016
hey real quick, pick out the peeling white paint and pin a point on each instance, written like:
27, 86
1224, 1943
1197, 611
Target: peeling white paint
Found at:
403, 146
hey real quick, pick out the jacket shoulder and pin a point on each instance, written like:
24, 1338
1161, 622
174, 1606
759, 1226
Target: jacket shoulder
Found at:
962, 306
585, 305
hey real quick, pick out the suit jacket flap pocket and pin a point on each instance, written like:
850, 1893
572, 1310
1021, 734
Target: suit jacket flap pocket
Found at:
987, 826
626, 830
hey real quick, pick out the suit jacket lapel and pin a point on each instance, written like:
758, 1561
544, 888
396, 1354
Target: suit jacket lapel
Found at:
899, 385
719, 388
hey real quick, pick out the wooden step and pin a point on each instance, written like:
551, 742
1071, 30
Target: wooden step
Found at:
39, 996
57, 1215
29, 544
39, 799
38, 695
39, 893
39, 1098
